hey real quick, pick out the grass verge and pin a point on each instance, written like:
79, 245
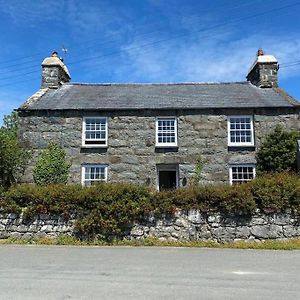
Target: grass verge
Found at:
293, 244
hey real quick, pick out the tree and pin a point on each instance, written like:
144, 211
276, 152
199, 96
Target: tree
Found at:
279, 151
13, 158
52, 166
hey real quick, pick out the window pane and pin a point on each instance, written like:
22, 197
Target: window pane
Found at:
166, 131
95, 129
240, 130
94, 174
241, 174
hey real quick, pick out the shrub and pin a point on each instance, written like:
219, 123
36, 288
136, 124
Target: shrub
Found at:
112, 209
7, 205
198, 170
12, 157
278, 151
236, 200
277, 192
108, 210
52, 167
225, 199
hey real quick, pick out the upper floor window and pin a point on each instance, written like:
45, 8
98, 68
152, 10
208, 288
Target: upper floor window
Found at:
94, 131
92, 174
240, 131
166, 131
241, 173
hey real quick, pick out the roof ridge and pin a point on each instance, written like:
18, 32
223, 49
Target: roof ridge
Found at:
155, 84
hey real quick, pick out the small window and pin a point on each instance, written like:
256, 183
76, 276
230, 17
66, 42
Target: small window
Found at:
94, 131
240, 131
92, 174
166, 132
241, 173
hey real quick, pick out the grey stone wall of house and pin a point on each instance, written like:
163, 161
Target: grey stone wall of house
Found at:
131, 154
188, 226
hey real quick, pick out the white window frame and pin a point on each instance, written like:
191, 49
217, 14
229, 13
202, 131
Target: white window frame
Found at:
84, 144
241, 165
240, 144
83, 171
157, 144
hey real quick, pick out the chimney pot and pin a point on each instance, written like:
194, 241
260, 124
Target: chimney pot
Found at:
260, 52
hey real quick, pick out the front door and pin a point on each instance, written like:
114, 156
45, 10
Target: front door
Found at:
167, 177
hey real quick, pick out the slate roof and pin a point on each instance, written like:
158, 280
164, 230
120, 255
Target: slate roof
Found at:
72, 96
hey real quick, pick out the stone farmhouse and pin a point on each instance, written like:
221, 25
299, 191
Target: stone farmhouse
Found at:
156, 134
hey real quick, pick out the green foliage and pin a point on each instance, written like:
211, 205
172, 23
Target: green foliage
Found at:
13, 158
52, 166
224, 199
108, 210
277, 192
10, 122
278, 151
198, 170
111, 208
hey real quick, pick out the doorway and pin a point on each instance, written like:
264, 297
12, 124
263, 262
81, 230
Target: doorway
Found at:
167, 177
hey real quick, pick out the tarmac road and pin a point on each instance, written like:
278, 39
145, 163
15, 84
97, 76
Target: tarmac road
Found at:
42, 272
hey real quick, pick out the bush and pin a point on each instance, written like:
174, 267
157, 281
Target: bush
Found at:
13, 158
275, 193
278, 152
52, 167
108, 210
112, 208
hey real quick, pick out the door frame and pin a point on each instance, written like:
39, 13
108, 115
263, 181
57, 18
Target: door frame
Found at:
167, 167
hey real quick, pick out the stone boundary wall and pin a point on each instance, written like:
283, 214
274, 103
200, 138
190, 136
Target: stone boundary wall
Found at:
184, 226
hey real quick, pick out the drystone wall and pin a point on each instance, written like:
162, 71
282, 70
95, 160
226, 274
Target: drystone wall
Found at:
183, 226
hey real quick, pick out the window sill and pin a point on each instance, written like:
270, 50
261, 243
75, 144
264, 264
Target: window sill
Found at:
242, 148
165, 149
93, 146
93, 149
241, 145
166, 146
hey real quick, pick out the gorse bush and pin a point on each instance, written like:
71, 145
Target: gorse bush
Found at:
108, 210
52, 166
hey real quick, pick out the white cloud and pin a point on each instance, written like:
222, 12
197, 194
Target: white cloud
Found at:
206, 60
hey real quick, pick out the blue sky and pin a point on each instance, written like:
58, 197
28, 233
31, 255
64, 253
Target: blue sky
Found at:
145, 41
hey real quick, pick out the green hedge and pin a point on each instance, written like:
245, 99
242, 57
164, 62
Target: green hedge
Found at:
109, 209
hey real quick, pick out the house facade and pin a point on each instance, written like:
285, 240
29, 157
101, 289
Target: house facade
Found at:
156, 134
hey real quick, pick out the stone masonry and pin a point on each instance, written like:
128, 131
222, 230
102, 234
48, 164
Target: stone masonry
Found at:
131, 154
183, 226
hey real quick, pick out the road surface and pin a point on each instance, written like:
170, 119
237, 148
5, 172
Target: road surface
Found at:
54, 272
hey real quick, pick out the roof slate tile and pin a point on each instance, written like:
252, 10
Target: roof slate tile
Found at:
72, 96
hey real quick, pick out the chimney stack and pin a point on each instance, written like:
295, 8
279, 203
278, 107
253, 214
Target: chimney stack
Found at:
263, 72
54, 72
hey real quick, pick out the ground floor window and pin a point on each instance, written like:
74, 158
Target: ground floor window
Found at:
92, 174
167, 176
241, 173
